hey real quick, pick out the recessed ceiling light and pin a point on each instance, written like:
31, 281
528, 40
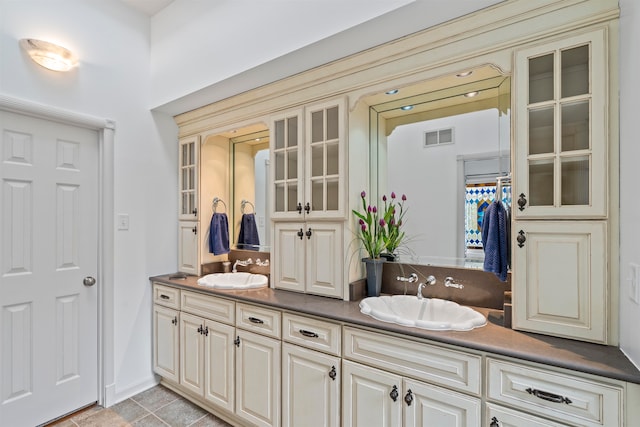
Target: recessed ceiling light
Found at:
465, 74
471, 94
406, 107
392, 92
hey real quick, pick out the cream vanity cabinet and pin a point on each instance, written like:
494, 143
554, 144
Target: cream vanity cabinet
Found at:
559, 236
166, 335
308, 150
206, 348
311, 372
390, 381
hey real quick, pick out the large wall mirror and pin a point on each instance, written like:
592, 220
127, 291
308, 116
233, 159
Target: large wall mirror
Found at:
443, 143
247, 204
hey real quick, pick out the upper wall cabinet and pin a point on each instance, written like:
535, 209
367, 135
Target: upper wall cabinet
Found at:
308, 154
188, 178
561, 133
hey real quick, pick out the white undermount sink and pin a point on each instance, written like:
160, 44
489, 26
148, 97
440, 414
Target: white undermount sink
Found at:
240, 280
426, 313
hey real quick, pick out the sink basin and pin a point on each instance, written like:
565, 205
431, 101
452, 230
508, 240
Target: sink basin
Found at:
427, 313
239, 280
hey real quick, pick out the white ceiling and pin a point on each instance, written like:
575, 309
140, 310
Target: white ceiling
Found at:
148, 7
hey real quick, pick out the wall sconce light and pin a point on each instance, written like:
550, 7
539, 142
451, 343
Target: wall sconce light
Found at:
49, 55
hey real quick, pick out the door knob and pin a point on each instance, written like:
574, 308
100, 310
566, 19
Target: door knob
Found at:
89, 281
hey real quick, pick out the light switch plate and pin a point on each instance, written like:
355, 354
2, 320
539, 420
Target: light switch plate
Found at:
123, 221
634, 283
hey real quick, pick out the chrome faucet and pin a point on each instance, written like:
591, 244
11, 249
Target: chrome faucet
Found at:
449, 283
429, 282
244, 263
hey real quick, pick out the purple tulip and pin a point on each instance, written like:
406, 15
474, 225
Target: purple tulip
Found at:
382, 223
393, 195
384, 198
374, 209
369, 209
361, 222
392, 222
363, 194
404, 198
363, 227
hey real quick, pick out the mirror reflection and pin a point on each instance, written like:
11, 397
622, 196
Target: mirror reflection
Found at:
444, 143
250, 166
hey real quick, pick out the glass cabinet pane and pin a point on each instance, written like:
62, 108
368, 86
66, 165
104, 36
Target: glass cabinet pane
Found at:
575, 71
541, 183
575, 126
541, 78
292, 132
317, 126
292, 197
332, 123
279, 164
575, 180
292, 165
278, 134
332, 159
279, 198
317, 160
332, 194
317, 195
541, 130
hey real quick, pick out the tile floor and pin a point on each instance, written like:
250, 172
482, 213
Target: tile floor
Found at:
156, 407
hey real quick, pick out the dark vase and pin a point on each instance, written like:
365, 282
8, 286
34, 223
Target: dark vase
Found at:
374, 275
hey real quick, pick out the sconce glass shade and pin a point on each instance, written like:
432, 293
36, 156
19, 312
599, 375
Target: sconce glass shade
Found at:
49, 55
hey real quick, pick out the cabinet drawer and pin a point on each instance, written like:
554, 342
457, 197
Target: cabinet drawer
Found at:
554, 394
258, 319
209, 307
430, 363
505, 417
166, 295
312, 333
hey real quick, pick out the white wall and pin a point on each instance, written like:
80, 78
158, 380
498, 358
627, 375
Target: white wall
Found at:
629, 181
111, 81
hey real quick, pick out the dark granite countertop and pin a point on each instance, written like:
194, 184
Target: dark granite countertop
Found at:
605, 361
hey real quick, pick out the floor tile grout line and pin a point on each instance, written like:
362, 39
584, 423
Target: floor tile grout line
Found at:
201, 418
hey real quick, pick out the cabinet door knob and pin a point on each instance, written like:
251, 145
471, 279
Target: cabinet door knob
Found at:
195, 230
494, 422
521, 239
307, 208
408, 398
195, 211
308, 233
332, 373
299, 208
522, 201
394, 393
300, 234
175, 320
237, 341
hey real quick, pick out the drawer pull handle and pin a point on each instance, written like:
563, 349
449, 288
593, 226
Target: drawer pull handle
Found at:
550, 397
308, 333
408, 398
163, 296
332, 373
394, 393
256, 320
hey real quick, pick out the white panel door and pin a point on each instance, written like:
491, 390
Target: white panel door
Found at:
192, 353
324, 259
49, 244
289, 255
166, 342
425, 404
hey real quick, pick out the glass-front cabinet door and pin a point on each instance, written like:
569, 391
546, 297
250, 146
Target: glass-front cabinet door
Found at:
561, 133
287, 150
188, 178
325, 143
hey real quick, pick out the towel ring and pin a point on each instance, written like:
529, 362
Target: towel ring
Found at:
244, 203
217, 200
